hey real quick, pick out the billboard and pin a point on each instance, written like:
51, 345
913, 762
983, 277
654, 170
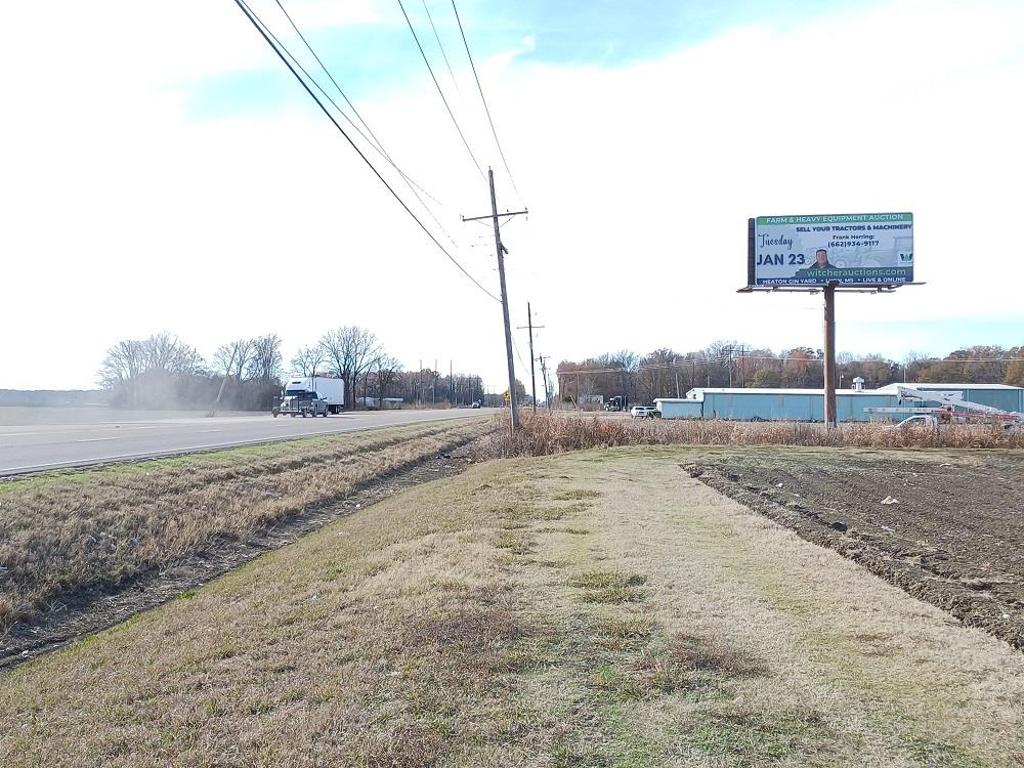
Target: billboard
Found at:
846, 249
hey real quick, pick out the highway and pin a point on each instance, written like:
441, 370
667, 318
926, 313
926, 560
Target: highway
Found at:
32, 448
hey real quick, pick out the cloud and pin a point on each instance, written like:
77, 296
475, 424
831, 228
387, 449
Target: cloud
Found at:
127, 216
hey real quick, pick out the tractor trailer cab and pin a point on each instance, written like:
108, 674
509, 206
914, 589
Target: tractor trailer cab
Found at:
311, 396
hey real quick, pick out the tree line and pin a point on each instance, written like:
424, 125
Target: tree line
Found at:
667, 373
163, 371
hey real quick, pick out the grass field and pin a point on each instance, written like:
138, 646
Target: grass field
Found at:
65, 532
600, 608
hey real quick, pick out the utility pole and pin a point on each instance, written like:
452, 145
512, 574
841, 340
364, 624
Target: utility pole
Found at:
513, 404
227, 373
533, 376
544, 376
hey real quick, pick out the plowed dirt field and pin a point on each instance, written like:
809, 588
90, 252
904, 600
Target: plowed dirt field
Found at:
946, 527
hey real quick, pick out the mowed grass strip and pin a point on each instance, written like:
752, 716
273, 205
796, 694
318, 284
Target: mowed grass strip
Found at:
64, 532
450, 626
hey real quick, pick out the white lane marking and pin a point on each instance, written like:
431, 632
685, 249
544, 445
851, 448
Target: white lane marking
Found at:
94, 439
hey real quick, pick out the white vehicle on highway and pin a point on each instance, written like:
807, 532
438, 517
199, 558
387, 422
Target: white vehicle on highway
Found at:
311, 396
332, 391
302, 404
643, 412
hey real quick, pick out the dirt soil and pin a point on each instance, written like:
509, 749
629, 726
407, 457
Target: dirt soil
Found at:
95, 609
948, 528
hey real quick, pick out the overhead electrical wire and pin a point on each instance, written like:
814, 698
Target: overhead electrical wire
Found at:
440, 92
441, 46
379, 146
412, 185
518, 353
260, 27
375, 144
484, 100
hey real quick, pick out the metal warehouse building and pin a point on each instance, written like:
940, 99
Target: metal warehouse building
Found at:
741, 404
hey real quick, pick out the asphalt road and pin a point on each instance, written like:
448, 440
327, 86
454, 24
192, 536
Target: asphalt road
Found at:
33, 448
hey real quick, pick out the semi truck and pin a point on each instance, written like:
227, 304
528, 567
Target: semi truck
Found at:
311, 396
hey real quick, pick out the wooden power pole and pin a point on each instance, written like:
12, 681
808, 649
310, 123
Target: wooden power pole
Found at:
544, 377
513, 403
533, 376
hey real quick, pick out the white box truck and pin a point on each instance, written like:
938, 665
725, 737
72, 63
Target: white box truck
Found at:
299, 394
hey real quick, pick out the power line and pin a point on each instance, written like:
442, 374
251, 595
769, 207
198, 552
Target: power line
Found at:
441, 46
412, 185
484, 100
379, 146
439, 91
518, 353
327, 72
259, 26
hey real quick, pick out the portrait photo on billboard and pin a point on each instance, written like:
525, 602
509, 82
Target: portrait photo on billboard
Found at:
845, 249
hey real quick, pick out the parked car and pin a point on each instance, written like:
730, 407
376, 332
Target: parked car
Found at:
921, 420
476, 404
643, 412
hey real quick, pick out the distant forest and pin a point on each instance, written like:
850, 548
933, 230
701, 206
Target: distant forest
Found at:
163, 371
667, 373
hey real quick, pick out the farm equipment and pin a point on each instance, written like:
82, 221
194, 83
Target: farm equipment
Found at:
951, 409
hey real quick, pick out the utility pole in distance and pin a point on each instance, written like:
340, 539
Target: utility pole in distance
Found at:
513, 404
533, 376
544, 375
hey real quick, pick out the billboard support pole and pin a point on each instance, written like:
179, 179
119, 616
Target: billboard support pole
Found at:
830, 356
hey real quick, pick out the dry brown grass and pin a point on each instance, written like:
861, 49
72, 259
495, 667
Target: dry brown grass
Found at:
405, 636
543, 434
67, 532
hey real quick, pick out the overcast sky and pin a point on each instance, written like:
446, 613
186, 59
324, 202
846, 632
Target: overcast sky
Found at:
159, 170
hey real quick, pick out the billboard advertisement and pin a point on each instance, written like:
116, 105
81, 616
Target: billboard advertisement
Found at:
847, 249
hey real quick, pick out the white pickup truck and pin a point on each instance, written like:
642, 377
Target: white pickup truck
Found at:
644, 412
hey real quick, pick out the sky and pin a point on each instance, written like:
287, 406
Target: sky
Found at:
160, 170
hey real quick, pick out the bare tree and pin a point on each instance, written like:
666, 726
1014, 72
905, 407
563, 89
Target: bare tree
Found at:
124, 363
350, 351
232, 358
265, 359
309, 361
155, 370
629, 362
167, 353
387, 370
